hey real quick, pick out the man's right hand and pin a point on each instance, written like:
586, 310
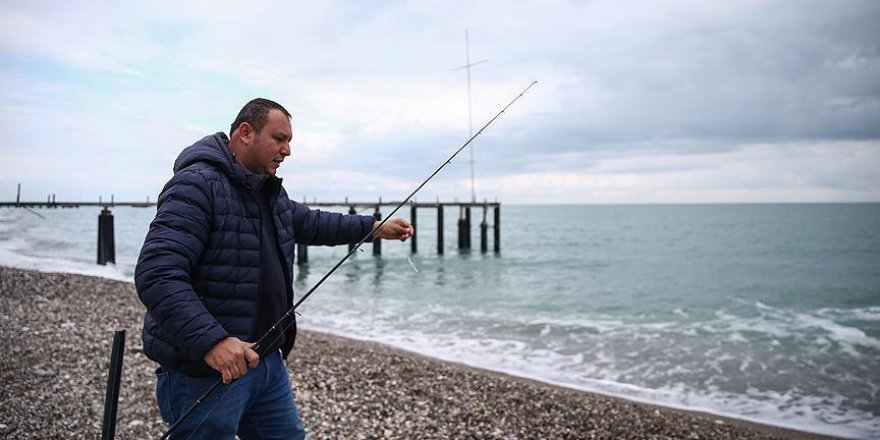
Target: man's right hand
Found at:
232, 357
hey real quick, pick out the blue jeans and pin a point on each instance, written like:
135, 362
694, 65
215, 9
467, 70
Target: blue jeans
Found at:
257, 406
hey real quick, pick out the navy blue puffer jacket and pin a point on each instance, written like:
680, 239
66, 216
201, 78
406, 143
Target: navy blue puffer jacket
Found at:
199, 269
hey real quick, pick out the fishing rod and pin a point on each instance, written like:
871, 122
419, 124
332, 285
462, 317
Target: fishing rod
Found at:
355, 248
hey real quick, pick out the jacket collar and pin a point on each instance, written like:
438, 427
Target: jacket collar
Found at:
214, 149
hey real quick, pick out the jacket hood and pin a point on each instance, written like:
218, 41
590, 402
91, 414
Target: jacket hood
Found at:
214, 150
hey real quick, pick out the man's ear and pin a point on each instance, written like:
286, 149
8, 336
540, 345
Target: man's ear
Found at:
245, 132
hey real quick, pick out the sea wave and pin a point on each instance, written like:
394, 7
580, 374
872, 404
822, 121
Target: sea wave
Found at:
789, 409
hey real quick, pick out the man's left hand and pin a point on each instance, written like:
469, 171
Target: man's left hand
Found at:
393, 229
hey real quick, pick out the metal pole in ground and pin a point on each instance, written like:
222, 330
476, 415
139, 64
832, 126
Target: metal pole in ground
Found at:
111, 401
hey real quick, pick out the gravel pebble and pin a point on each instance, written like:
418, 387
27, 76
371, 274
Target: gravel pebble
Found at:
56, 331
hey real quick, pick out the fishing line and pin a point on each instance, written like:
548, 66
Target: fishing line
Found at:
34, 212
374, 234
208, 414
412, 264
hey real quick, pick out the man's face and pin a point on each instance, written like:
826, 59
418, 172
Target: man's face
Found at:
268, 147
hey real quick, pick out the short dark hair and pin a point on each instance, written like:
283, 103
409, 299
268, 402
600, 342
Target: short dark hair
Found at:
256, 113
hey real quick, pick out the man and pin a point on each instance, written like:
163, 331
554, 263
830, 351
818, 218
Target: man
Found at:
215, 274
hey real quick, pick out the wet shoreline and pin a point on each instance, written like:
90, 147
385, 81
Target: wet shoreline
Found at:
57, 330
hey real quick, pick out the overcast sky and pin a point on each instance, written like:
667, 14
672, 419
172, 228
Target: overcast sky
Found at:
636, 101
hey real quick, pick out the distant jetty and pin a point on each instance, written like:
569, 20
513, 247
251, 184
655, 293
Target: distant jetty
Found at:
106, 241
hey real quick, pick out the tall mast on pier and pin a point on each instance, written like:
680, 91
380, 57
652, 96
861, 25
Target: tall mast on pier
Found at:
467, 67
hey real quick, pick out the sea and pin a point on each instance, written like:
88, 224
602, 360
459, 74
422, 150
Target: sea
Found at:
764, 312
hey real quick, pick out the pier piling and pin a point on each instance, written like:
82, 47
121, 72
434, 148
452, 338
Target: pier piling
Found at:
439, 229
412, 215
467, 227
464, 228
377, 243
302, 253
484, 239
460, 226
497, 229
351, 211
106, 239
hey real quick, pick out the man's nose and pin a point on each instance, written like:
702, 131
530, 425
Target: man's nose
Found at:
285, 149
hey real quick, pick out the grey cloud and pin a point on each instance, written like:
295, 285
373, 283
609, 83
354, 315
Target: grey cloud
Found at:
617, 80
782, 72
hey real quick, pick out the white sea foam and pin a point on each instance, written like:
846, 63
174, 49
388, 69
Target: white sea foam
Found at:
604, 368
9, 257
512, 357
847, 337
870, 314
680, 312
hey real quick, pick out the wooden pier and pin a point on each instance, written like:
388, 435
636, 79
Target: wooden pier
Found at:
51, 203
106, 251
464, 220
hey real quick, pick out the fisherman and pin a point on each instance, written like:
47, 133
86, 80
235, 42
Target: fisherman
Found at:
215, 274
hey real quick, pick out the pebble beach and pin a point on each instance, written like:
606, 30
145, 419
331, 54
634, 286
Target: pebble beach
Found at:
57, 330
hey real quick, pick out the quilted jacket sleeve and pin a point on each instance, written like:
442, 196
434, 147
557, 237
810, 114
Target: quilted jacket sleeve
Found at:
171, 250
316, 227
